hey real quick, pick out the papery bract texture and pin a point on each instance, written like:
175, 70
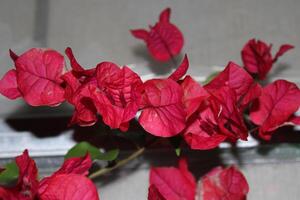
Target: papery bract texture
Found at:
9, 85
79, 165
164, 40
282, 50
69, 187
153, 193
36, 78
193, 95
181, 70
216, 119
163, 112
230, 118
78, 82
85, 113
13, 55
77, 69
173, 183
68, 183
28, 175
113, 92
202, 131
8, 195
223, 184
258, 59
236, 78
72, 175
27, 185
118, 95
73, 62
278, 102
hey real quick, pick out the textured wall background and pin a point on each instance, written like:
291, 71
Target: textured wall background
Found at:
215, 31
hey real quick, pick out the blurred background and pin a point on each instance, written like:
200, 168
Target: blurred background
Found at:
98, 30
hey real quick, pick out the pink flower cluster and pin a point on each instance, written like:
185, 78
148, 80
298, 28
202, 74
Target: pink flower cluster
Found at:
168, 183
69, 182
204, 115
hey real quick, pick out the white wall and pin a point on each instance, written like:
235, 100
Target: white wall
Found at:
98, 30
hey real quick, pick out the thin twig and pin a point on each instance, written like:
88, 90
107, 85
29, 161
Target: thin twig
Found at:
120, 163
253, 129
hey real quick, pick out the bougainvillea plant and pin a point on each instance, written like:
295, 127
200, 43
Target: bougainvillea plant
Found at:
232, 105
69, 182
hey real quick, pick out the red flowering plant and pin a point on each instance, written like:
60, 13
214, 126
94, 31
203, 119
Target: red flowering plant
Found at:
229, 107
71, 175
164, 40
179, 183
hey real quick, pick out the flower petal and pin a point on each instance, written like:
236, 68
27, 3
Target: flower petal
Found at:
85, 113
163, 113
38, 77
257, 58
74, 64
200, 134
79, 166
278, 102
76, 67
6, 194
71, 166
13, 55
9, 86
153, 193
165, 15
69, 187
164, 40
237, 79
173, 183
181, 70
220, 184
282, 50
117, 97
27, 185
193, 95
229, 117
140, 34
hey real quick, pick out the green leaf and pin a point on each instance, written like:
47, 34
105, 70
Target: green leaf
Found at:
109, 155
178, 151
175, 142
211, 77
82, 148
10, 174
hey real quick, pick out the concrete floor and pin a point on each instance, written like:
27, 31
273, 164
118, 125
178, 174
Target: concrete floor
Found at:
267, 182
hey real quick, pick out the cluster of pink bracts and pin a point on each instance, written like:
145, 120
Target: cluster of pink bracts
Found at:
170, 183
166, 183
69, 182
204, 115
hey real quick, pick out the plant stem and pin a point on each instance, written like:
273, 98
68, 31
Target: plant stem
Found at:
253, 129
120, 163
